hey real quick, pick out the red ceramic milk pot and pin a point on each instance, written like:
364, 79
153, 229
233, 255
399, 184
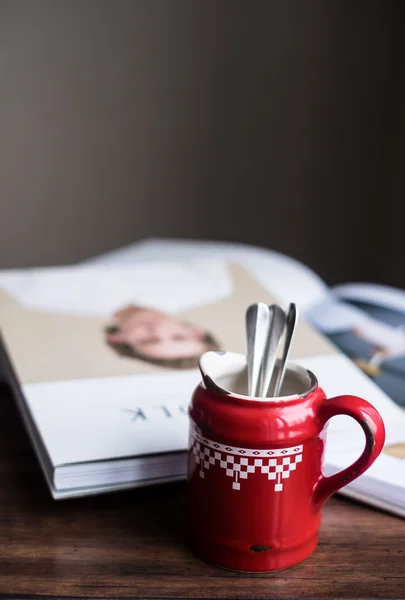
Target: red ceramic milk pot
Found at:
255, 482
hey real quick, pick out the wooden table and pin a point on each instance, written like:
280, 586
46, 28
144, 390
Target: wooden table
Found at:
131, 544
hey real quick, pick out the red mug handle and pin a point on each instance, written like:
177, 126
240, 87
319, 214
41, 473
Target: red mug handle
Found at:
373, 426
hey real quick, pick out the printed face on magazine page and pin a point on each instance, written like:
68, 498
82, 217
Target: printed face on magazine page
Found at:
158, 338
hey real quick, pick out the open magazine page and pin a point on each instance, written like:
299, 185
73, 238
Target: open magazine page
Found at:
367, 323
70, 331
290, 280
277, 273
377, 343
102, 352
92, 345
326, 312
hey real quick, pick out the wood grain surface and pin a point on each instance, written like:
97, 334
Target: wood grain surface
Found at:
131, 544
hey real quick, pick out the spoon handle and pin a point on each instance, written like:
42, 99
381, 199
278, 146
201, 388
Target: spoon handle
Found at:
257, 329
277, 324
291, 320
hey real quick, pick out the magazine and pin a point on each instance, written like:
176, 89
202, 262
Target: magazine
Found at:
103, 356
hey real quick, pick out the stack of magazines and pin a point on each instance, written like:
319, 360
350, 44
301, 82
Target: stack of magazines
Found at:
102, 358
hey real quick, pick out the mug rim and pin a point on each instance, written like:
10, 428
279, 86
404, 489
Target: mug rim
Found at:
291, 366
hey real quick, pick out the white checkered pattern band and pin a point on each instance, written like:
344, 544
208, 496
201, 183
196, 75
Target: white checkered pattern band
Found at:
238, 463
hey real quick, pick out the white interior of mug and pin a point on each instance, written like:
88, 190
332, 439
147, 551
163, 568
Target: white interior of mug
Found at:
228, 371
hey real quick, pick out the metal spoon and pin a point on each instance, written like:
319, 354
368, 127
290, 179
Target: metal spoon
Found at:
277, 324
291, 321
257, 330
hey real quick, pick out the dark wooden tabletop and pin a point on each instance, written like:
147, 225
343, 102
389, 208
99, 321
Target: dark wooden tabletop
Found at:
131, 544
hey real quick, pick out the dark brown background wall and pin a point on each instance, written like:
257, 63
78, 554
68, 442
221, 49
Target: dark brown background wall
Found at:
272, 122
